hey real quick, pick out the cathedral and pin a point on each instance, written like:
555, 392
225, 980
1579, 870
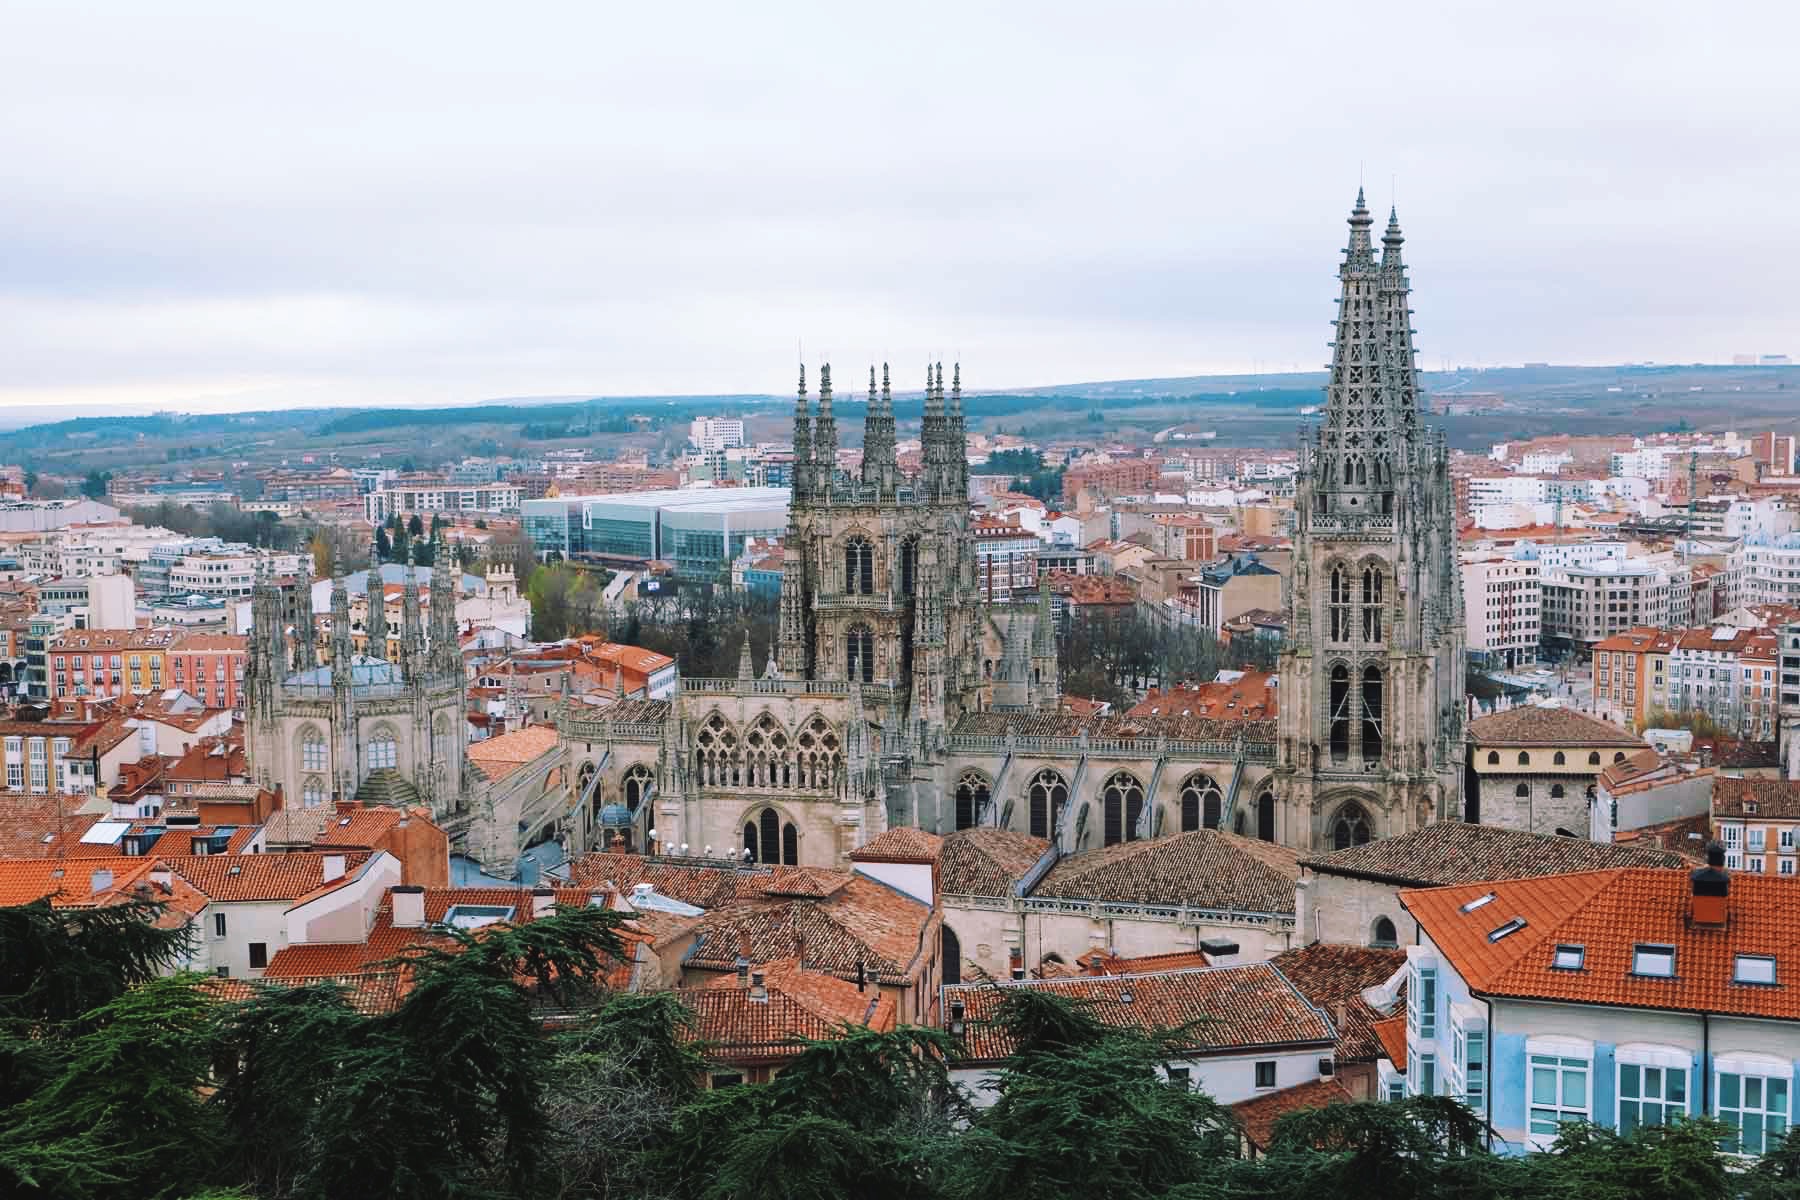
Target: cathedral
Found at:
387, 726
894, 695
1370, 719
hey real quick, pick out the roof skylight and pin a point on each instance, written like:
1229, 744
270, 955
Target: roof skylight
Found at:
1511, 927
1569, 958
1754, 968
1658, 962
1477, 902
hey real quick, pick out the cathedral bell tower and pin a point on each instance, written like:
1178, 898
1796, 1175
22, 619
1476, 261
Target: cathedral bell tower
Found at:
1370, 730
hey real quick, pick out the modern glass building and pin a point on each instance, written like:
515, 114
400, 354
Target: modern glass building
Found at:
699, 530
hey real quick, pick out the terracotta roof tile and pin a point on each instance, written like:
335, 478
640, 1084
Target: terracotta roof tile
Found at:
1539, 725
1334, 978
1608, 913
1235, 1008
1391, 1033
232, 878
1205, 868
1778, 798
498, 757
1454, 852
986, 862
697, 882
900, 845
1258, 1116
862, 924
799, 1006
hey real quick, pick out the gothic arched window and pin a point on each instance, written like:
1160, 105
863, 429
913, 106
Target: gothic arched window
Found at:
790, 845
909, 566
1350, 827
1373, 738
1265, 816
1339, 701
1340, 604
971, 797
636, 786
769, 831
312, 793
1049, 792
1383, 936
1371, 603
1122, 800
859, 567
312, 750
859, 654
383, 750
1201, 803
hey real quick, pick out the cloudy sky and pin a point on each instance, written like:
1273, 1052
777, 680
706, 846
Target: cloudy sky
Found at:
362, 203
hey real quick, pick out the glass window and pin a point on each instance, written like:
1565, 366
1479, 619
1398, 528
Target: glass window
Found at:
1650, 1095
1756, 1107
1658, 961
1753, 968
1569, 958
1421, 1002
1427, 1075
1559, 1092
1265, 1074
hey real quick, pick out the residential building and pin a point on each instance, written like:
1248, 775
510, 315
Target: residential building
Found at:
1352, 896
258, 904
1728, 673
1758, 822
1649, 788
1006, 557
716, 433
210, 666
1534, 767
1622, 997
430, 499
108, 662
1502, 606
1631, 675
1771, 569
1272, 1039
1587, 603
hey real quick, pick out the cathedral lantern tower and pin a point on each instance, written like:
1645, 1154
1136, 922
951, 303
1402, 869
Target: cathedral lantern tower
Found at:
1370, 739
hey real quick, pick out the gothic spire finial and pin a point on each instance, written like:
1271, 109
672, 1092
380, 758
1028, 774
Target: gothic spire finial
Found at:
746, 667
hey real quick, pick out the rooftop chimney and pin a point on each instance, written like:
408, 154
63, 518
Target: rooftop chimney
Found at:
1017, 963
334, 867
1712, 889
409, 906
743, 971
543, 902
758, 992
162, 877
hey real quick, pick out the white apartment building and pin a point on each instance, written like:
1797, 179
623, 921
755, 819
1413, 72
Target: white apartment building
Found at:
1559, 555
716, 433
75, 554
1645, 462
378, 506
1585, 603
1505, 489
1545, 462
1502, 602
225, 576
1769, 566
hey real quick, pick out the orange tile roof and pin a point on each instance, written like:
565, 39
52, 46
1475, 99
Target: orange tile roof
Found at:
1204, 868
1258, 1116
498, 757
1642, 639
1778, 798
1334, 978
694, 882
237, 878
1251, 697
986, 861
863, 925
1448, 852
1228, 1008
1542, 725
1392, 1035
902, 844
1608, 913
364, 825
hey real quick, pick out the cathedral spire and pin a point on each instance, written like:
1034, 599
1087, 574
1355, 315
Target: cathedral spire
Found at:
340, 625
957, 439
825, 440
305, 635
276, 654
412, 633
1400, 378
445, 657
375, 622
746, 665
879, 469
803, 453
1356, 441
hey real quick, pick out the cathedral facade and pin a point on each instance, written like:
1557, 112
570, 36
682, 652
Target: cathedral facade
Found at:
894, 695
1371, 712
387, 726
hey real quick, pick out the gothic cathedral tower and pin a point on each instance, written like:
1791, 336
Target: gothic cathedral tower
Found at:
1370, 722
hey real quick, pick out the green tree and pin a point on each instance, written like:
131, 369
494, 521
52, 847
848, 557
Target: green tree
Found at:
384, 547
123, 1116
1678, 1161
94, 485
414, 526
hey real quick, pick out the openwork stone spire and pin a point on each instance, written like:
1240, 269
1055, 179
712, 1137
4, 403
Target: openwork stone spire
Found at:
803, 452
825, 439
377, 623
1356, 455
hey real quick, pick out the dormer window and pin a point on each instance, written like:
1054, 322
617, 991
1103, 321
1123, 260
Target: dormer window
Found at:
1755, 969
1507, 930
1569, 958
1656, 962
1477, 902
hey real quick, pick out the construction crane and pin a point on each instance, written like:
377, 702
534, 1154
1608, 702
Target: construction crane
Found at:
1687, 545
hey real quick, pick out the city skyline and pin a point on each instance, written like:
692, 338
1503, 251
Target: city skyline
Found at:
603, 204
